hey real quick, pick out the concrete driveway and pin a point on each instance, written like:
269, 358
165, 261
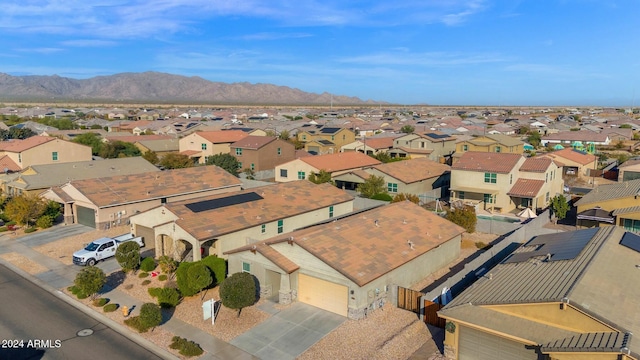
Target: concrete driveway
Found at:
289, 332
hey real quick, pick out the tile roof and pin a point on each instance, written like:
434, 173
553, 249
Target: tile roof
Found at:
222, 136
574, 155
379, 142
115, 190
278, 201
161, 145
6, 164
526, 188
253, 142
583, 135
538, 165
487, 161
610, 192
134, 138
340, 161
363, 251
414, 170
22, 145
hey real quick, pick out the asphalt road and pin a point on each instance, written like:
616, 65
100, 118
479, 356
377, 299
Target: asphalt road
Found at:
30, 313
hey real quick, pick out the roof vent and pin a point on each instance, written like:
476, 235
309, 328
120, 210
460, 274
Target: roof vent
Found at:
376, 223
411, 244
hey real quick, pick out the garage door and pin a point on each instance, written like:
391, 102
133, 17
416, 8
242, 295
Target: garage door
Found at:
478, 345
86, 216
148, 235
323, 294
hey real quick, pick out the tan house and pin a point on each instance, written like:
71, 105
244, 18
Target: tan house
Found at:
370, 146
564, 296
575, 163
39, 150
434, 145
611, 204
349, 266
490, 143
503, 182
202, 144
218, 223
160, 147
629, 170
320, 140
261, 154
108, 201
335, 164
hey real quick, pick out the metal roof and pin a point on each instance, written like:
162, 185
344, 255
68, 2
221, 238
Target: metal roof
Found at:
610, 192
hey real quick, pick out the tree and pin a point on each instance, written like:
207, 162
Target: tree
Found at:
372, 186
152, 157
199, 277
90, 139
167, 264
118, 149
386, 158
90, 280
52, 209
559, 206
619, 145
284, 135
176, 161
321, 177
407, 129
404, 196
25, 208
238, 291
128, 256
464, 216
226, 161
150, 316
534, 138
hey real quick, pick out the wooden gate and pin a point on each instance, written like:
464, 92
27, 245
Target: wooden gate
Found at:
409, 299
431, 314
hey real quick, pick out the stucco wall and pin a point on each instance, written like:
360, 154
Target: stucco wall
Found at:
67, 152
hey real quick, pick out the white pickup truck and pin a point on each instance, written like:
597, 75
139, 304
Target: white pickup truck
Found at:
102, 248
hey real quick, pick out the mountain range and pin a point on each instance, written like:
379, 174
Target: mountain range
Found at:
159, 88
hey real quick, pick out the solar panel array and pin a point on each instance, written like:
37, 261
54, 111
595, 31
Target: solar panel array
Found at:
631, 240
437, 136
218, 203
561, 246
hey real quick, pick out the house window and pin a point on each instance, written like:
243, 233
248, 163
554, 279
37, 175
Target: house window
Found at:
546, 198
392, 188
246, 267
422, 144
263, 228
461, 195
344, 137
253, 167
510, 179
301, 175
280, 226
238, 151
203, 146
283, 173
546, 177
239, 165
465, 147
54, 156
333, 137
498, 149
490, 178
279, 151
304, 137
631, 225
330, 211
19, 157
488, 199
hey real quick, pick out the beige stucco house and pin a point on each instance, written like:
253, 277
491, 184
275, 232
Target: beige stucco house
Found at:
335, 164
40, 150
202, 144
434, 145
320, 140
575, 163
498, 143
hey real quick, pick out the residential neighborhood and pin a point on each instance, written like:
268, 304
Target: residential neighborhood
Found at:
485, 233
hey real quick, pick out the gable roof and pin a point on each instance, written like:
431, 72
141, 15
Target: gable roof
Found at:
583, 135
379, 142
253, 142
135, 138
370, 244
340, 161
487, 161
611, 192
222, 136
526, 188
6, 164
414, 170
580, 157
538, 165
16, 145
161, 145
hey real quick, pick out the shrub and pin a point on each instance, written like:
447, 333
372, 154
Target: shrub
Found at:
238, 291
154, 291
128, 256
30, 230
148, 264
167, 264
110, 308
81, 295
218, 267
143, 275
44, 222
185, 347
90, 280
405, 196
168, 297
465, 217
150, 315
100, 302
163, 277
10, 223
199, 277
382, 196
136, 323
146, 282
3, 228
480, 245
183, 281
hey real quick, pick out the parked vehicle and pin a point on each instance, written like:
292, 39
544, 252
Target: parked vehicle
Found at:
102, 249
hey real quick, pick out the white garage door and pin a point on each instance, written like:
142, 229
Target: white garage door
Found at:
323, 294
478, 345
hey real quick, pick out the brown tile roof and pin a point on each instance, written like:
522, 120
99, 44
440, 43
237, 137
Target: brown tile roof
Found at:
487, 161
132, 125
361, 174
7, 164
279, 201
223, 136
573, 155
379, 143
253, 142
114, 190
300, 153
526, 188
22, 145
583, 135
363, 251
538, 165
275, 257
410, 171
134, 138
340, 161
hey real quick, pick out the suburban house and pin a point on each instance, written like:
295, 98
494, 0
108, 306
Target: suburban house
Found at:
611, 204
319, 139
261, 154
38, 178
202, 144
436, 146
490, 143
427, 179
370, 146
335, 164
563, 296
576, 163
218, 223
16, 155
109, 201
629, 170
576, 139
503, 182
160, 147
347, 266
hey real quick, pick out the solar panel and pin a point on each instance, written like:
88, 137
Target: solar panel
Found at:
219, 203
437, 136
329, 130
631, 240
561, 246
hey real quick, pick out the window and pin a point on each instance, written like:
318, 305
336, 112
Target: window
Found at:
246, 267
344, 137
546, 198
498, 149
238, 151
263, 228
280, 226
203, 146
304, 137
392, 188
631, 225
461, 195
253, 167
283, 173
510, 179
301, 175
279, 151
54, 156
465, 147
488, 199
490, 178
546, 177
239, 165
19, 157
333, 137
330, 211
422, 145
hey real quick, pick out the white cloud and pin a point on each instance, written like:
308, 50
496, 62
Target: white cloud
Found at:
88, 43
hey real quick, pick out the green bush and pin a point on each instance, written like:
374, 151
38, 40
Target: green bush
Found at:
99, 302
128, 256
143, 275
30, 230
183, 281
154, 291
218, 267
150, 315
146, 282
44, 222
177, 342
110, 308
465, 217
163, 277
10, 223
3, 228
81, 295
185, 347
136, 323
168, 297
238, 291
167, 264
148, 264
382, 196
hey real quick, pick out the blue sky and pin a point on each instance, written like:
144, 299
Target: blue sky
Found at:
440, 52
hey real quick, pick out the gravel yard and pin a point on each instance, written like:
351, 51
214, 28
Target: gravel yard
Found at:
24, 263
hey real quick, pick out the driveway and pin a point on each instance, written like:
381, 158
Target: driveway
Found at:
289, 332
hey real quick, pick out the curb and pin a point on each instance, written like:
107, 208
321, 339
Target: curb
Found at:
136, 338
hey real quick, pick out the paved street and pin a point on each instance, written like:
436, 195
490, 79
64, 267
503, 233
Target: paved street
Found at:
29, 313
